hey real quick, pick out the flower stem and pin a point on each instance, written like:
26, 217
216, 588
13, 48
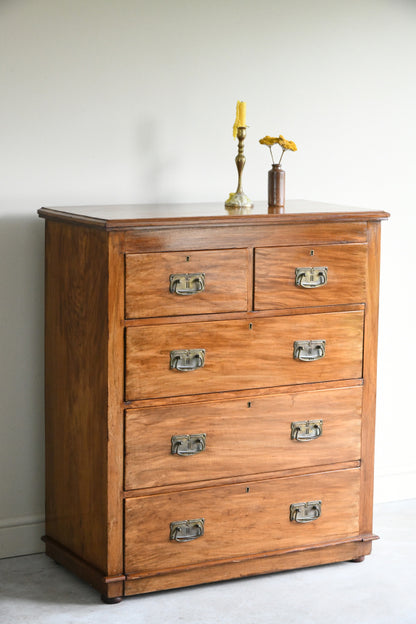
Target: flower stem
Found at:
283, 151
271, 152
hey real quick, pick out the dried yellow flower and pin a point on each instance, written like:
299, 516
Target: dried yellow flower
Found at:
284, 144
269, 141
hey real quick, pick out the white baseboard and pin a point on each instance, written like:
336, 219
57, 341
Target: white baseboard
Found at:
21, 536
394, 487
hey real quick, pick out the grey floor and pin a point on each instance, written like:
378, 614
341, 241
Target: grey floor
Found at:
381, 590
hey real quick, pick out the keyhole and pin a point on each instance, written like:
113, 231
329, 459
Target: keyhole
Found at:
247, 490
312, 252
188, 258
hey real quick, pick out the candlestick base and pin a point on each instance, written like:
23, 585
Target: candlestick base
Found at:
238, 203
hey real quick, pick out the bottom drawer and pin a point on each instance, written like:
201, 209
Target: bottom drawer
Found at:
238, 520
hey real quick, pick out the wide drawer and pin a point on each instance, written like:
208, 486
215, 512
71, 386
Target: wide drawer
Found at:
186, 443
239, 354
195, 282
241, 519
287, 277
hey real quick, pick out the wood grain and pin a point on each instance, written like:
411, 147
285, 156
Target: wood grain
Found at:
270, 234
115, 391
118, 217
147, 282
76, 364
242, 478
247, 393
196, 567
275, 275
108, 586
242, 437
113, 403
249, 316
252, 518
250, 566
370, 372
239, 357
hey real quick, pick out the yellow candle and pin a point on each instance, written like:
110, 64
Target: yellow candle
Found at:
242, 114
240, 117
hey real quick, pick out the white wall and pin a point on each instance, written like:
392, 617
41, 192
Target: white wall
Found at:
133, 101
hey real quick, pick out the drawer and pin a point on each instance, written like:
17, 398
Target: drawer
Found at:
240, 520
240, 437
239, 354
284, 279
202, 282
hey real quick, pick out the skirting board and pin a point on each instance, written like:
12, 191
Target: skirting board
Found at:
21, 536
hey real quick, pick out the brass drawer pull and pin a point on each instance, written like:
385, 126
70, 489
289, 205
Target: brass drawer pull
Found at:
305, 512
185, 445
308, 350
306, 430
187, 283
187, 359
186, 530
311, 277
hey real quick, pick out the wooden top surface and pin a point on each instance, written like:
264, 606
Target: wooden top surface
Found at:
121, 217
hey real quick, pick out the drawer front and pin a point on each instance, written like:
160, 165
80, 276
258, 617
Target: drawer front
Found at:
239, 354
163, 444
202, 282
238, 520
287, 277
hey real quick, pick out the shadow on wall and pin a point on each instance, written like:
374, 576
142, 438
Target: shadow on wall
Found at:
21, 361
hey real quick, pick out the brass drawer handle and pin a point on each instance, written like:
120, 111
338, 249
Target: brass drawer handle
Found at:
187, 359
308, 350
305, 512
311, 277
306, 430
185, 445
186, 530
187, 283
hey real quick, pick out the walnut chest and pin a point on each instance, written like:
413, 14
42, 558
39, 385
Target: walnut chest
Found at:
210, 391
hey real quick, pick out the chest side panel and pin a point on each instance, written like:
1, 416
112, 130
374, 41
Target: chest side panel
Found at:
76, 390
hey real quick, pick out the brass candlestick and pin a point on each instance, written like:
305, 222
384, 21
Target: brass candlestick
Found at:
238, 202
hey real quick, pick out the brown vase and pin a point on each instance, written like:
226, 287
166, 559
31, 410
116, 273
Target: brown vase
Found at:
276, 195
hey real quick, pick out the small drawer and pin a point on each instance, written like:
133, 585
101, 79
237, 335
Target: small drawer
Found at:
186, 443
216, 356
189, 528
288, 277
180, 283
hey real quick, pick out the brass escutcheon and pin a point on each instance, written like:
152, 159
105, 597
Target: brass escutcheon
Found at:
308, 350
305, 512
187, 359
186, 283
188, 444
186, 530
306, 430
311, 277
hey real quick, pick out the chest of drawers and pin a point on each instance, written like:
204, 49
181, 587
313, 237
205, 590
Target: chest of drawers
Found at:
210, 391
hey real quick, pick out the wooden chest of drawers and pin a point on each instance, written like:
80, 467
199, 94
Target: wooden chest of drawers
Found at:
210, 392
